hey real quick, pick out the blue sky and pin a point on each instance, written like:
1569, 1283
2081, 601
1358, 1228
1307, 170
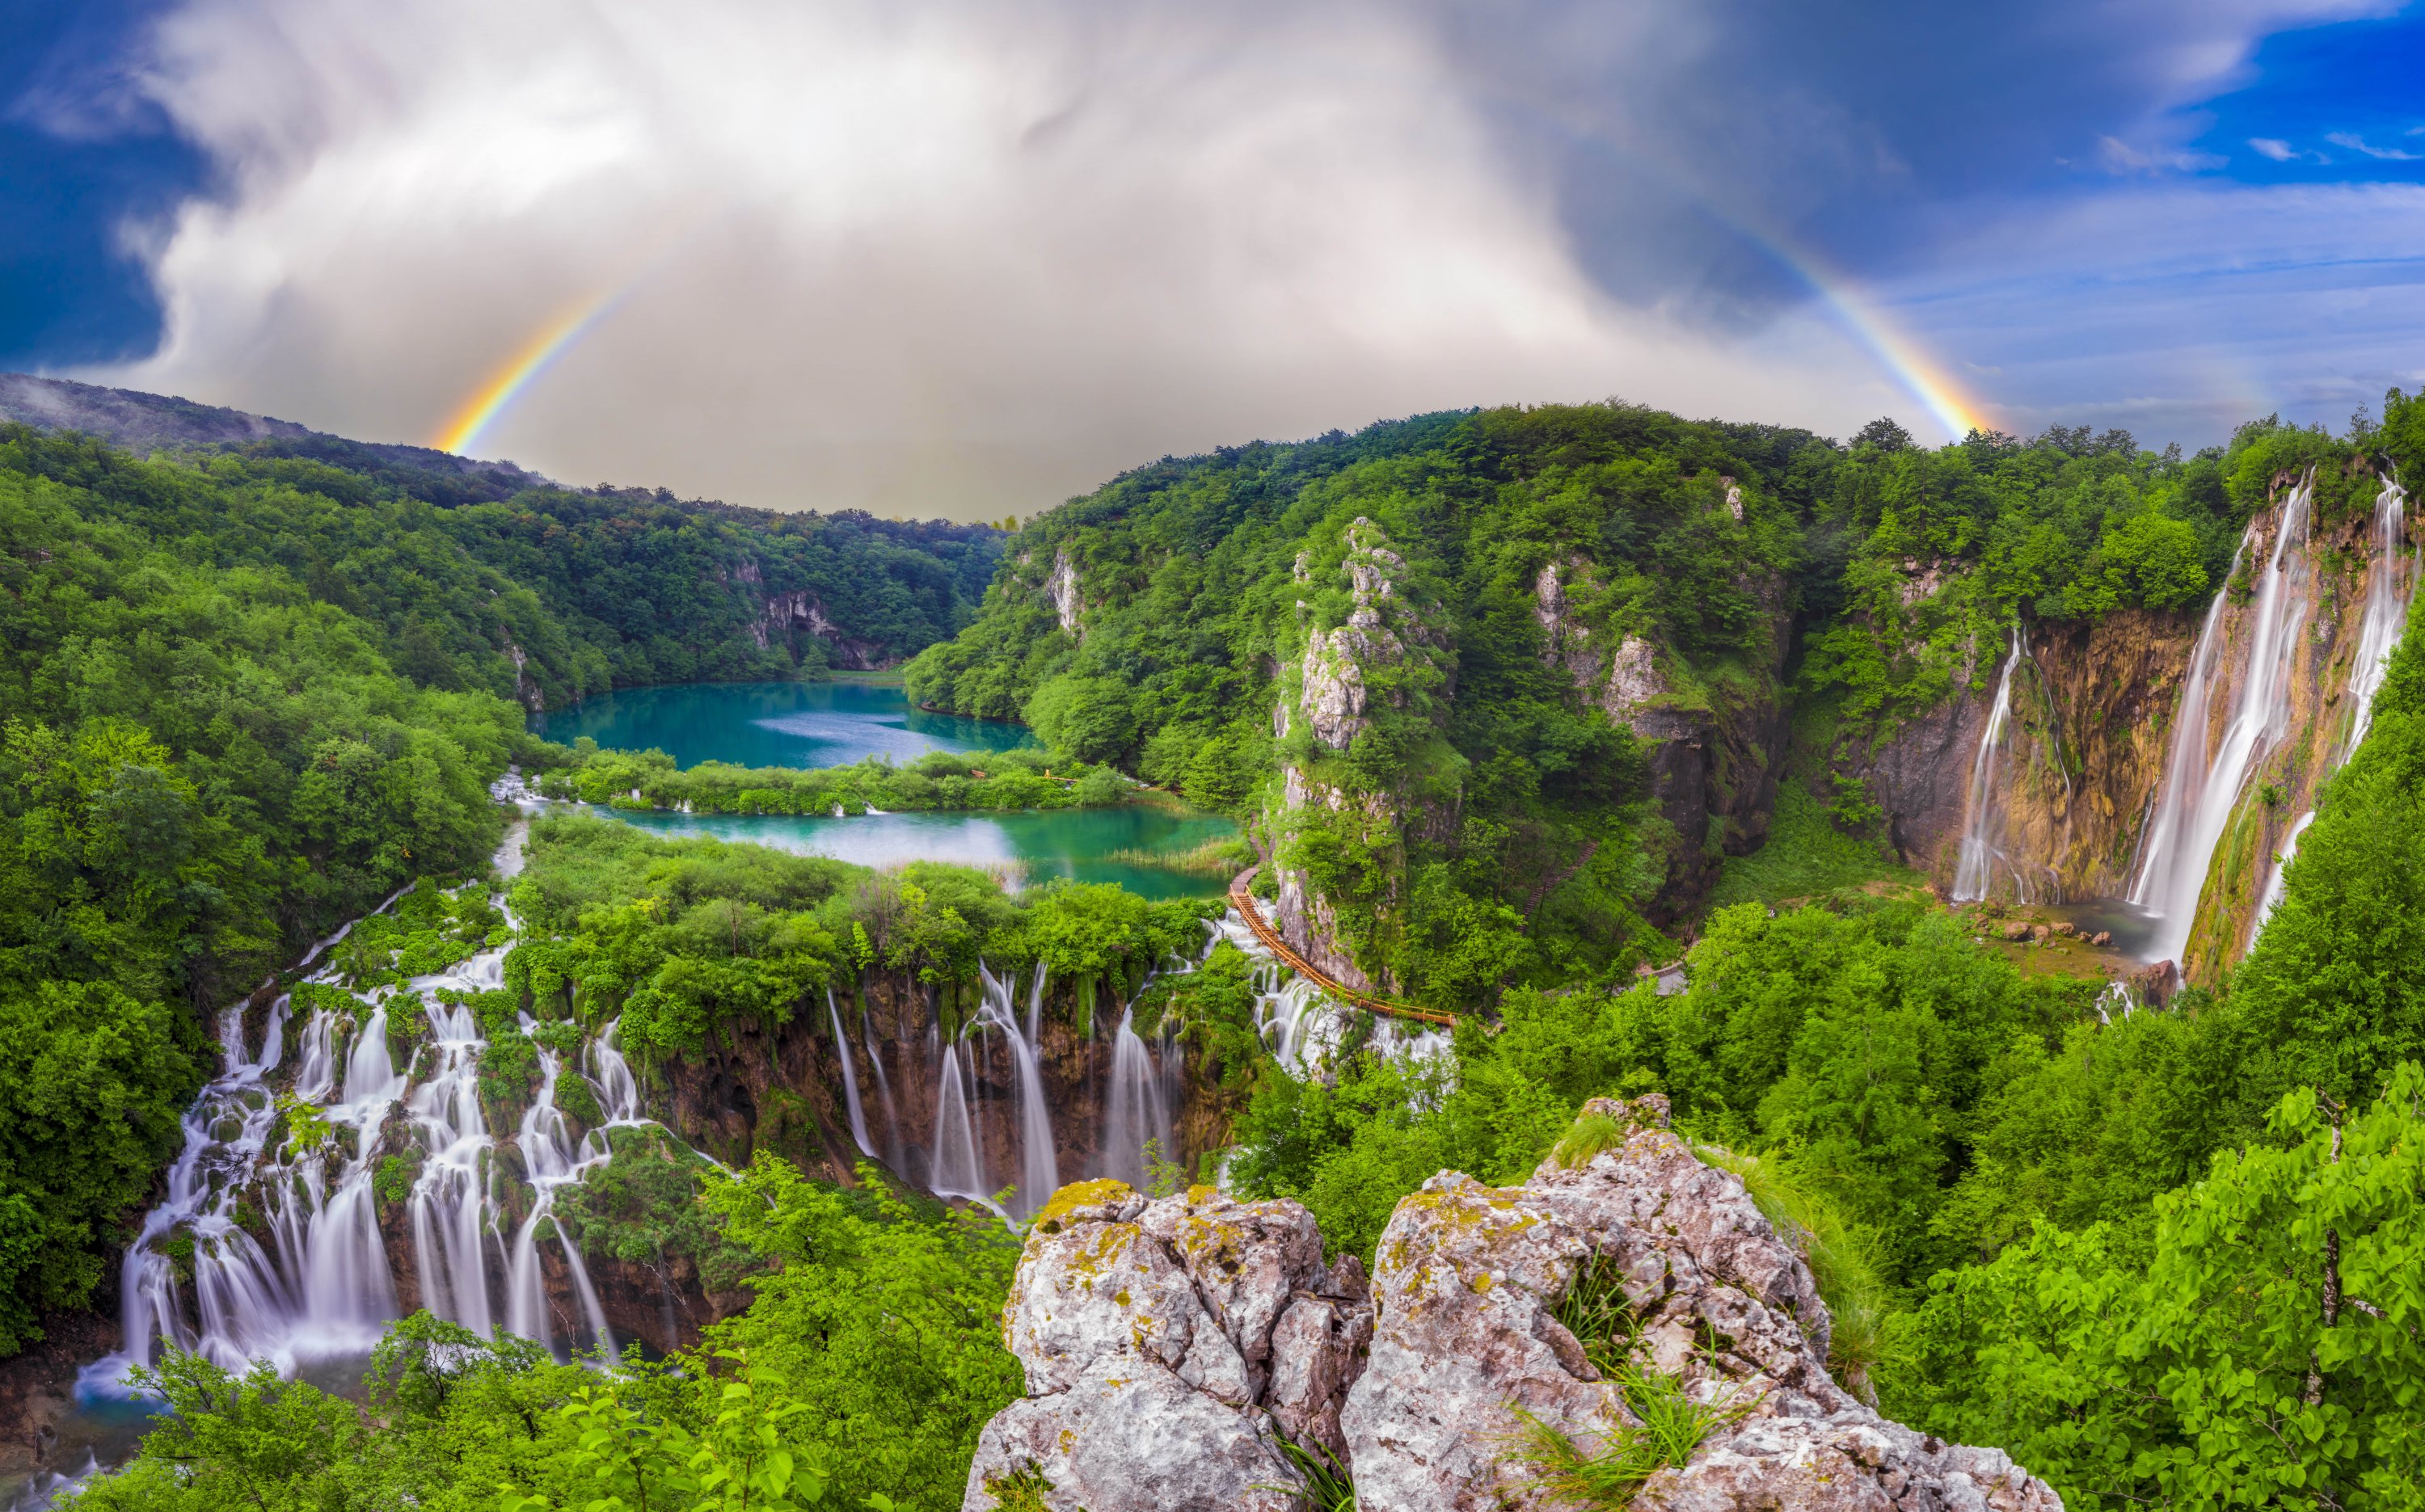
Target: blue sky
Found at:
941, 256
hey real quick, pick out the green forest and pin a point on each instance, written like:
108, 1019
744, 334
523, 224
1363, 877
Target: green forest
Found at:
2162, 1257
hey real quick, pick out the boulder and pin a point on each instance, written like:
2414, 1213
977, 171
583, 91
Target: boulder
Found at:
1169, 1348
1168, 1345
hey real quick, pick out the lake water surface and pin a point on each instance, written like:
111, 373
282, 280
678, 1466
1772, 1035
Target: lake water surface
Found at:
774, 724
836, 723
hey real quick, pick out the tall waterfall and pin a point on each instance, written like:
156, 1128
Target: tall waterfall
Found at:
2391, 585
2200, 789
1977, 871
849, 1079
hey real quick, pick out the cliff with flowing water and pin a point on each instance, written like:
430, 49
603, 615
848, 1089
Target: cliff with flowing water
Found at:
404, 1129
2164, 761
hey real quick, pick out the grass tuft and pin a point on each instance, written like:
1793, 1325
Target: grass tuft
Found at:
1607, 1476
1863, 1333
1591, 1134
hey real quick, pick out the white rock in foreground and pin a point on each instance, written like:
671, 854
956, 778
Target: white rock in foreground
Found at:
1464, 1291
1167, 1345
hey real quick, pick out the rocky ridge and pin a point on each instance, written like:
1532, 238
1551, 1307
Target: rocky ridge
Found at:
1169, 1346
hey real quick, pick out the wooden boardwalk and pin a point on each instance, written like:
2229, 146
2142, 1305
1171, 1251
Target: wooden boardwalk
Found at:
1244, 901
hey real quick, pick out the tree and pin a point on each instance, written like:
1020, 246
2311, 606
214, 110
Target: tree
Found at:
2267, 1354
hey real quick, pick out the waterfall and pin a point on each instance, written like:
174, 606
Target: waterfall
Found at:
448, 1208
892, 1151
2200, 790
849, 1079
610, 1076
956, 1169
1135, 1109
2390, 585
288, 1264
551, 1164
1976, 873
1039, 1172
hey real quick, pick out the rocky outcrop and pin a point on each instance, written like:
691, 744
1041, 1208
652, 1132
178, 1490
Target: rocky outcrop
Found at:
1385, 646
786, 612
1468, 1328
1714, 750
1062, 587
1169, 1348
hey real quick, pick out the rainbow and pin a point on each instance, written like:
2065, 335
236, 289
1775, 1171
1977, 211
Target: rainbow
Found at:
1926, 380
473, 418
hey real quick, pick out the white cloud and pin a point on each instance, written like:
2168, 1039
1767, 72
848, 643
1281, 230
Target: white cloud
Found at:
2119, 157
925, 259
2279, 151
2359, 144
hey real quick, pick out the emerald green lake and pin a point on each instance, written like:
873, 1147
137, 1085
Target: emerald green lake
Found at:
836, 723
774, 724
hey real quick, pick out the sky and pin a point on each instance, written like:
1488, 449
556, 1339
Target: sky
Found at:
968, 257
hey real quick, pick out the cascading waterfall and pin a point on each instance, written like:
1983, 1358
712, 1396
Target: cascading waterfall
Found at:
287, 1262
551, 1164
1977, 871
849, 1079
1040, 1171
2200, 790
1134, 1110
448, 1209
2391, 585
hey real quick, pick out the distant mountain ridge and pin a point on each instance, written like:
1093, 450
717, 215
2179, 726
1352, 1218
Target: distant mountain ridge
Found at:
145, 423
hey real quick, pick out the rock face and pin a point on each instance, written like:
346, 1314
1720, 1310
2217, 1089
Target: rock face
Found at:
807, 612
1714, 752
1386, 644
1142, 1396
1063, 588
1167, 1345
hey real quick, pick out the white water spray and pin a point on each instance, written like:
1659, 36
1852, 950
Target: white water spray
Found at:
1977, 871
849, 1079
2200, 790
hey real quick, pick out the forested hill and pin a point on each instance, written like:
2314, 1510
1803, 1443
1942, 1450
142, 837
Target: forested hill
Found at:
244, 696
539, 593
1500, 684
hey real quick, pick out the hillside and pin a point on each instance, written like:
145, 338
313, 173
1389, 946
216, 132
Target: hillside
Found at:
1502, 690
246, 694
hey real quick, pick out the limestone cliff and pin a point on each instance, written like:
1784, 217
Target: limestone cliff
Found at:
1169, 1346
1716, 734
2080, 763
1389, 652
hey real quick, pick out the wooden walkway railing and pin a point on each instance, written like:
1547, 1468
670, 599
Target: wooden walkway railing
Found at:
1244, 901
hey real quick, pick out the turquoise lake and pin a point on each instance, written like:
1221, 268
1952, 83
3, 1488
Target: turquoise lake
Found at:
836, 723
774, 724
